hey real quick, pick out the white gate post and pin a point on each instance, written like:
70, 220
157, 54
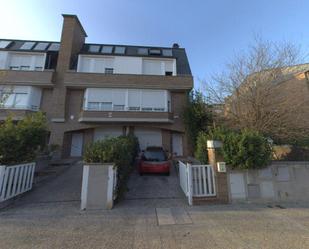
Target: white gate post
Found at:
190, 187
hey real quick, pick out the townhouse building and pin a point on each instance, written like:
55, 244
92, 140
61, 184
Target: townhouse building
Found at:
93, 91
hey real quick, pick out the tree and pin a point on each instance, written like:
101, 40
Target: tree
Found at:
19, 142
5, 91
254, 94
197, 116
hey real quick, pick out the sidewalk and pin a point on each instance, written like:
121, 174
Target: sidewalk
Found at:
50, 217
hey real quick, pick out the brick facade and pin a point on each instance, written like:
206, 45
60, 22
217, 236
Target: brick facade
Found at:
63, 95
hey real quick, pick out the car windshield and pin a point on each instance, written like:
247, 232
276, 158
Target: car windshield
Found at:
154, 156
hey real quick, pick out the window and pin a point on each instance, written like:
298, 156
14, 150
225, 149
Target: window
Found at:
96, 64
20, 61
120, 50
54, 47
153, 100
4, 44
119, 99
20, 100
93, 105
109, 70
94, 48
107, 99
134, 102
27, 45
106, 106
41, 46
168, 67
118, 108
142, 51
155, 51
146, 109
38, 68
152, 67
167, 52
15, 98
24, 68
107, 49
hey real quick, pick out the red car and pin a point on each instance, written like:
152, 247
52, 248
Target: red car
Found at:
154, 160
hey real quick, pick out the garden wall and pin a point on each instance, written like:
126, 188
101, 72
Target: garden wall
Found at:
281, 181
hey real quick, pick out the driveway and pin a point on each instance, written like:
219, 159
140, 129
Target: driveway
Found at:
154, 190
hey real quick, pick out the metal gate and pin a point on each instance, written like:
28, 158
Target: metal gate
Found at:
197, 180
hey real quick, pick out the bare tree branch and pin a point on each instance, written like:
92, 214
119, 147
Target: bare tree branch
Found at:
255, 92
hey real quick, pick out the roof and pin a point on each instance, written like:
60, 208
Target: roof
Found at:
29, 45
183, 67
289, 72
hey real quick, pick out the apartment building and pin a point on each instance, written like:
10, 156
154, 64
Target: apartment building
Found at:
94, 91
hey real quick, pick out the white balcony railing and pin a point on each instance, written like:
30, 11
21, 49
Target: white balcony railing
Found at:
101, 106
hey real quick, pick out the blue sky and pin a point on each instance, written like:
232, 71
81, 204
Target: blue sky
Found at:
212, 31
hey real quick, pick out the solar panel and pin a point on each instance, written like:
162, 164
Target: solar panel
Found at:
167, 52
54, 47
94, 48
4, 44
142, 51
27, 45
120, 50
41, 46
107, 49
155, 51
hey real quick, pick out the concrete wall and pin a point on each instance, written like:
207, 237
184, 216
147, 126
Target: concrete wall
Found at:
281, 181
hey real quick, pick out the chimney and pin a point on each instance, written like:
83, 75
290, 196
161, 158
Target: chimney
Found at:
175, 45
72, 39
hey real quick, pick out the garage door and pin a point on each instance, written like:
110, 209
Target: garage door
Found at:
103, 133
148, 137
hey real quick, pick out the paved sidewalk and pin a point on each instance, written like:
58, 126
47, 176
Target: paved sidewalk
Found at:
62, 225
50, 217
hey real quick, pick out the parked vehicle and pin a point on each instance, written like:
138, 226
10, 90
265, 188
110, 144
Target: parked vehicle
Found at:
154, 160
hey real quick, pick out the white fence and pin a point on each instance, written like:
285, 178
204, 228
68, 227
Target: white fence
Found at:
15, 180
197, 180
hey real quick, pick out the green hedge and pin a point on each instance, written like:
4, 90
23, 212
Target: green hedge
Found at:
20, 142
241, 150
121, 151
201, 144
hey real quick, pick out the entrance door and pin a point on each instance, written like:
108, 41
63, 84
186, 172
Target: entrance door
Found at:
237, 186
177, 144
77, 144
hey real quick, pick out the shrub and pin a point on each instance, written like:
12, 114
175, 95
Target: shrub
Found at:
246, 150
241, 150
121, 151
201, 144
201, 147
196, 115
19, 142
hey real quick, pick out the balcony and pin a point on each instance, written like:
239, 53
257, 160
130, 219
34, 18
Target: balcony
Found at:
34, 78
87, 80
126, 116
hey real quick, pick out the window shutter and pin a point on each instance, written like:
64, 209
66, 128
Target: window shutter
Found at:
152, 67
